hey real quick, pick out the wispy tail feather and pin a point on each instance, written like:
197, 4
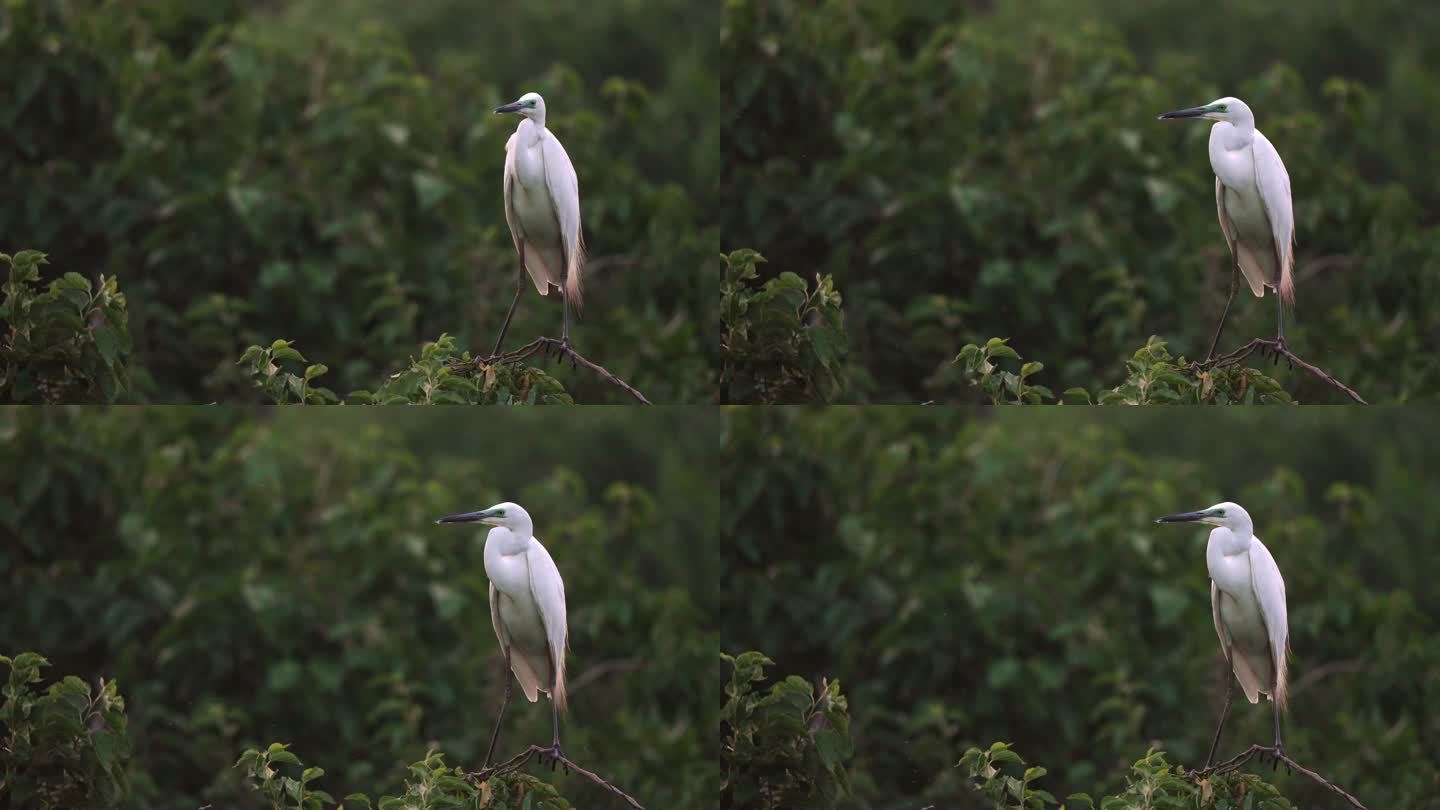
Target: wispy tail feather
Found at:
1287, 276
573, 274
560, 696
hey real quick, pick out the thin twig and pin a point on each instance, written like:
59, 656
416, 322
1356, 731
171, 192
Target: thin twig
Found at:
1234, 358
1324, 670
516, 762
600, 670
1235, 762
508, 358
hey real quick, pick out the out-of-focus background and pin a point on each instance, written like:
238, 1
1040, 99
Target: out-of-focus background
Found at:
258, 576
993, 168
329, 172
998, 576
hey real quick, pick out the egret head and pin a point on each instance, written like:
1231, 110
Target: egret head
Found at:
1227, 514
509, 515
1229, 109
530, 105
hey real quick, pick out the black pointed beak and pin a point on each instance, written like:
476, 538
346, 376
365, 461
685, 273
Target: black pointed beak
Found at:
513, 106
465, 517
1188, 112
1183, 517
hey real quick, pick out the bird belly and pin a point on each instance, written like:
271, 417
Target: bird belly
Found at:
1247, 215
522, 622
1243, 622
530, 198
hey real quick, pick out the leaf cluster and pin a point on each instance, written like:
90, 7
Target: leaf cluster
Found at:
782, 340
1153, 377
441, 375
69, 342
62, 748
430, 784
782, 747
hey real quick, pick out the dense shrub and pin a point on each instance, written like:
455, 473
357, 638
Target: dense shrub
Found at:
68, 343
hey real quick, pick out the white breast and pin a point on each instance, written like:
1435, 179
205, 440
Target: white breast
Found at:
510, 574
1235, 167
530, 198
1239, 609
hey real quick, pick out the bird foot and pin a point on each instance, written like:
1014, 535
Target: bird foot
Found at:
1276, 349
556, 757
1276, 756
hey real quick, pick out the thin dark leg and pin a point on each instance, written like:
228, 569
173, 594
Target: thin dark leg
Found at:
1234, 287
495, 735
519, 288
555, 751
1229, 693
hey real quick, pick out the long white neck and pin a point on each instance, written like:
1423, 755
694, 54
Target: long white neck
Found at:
507, 542
1231, 540
1234, 135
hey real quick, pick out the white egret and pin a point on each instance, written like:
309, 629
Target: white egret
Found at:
527, 609
1252, 199
542, 208
1247, 601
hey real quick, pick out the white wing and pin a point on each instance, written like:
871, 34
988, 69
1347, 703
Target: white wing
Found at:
1274, 184
564, 189
1215, 614
1270, 593
1219, 211
510, 219
549, 592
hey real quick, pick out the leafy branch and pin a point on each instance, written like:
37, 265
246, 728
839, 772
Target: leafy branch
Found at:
440, 375
561, 350
67, 343
786, 747
1279, 350
519, 760
782, 341
1235, 762
1153, 376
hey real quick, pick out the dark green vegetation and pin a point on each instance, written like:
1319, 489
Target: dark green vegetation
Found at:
786, 746
252, 577
329, 173
964, 172
998, 577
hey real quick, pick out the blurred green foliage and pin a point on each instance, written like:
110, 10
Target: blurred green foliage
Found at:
971, 169
69, 343
329, 173
252, 575
64, 748
996, 574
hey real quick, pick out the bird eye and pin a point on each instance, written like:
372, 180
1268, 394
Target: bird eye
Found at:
1223, 108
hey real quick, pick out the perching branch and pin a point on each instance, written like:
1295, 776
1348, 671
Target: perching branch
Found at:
1278, 349
551, 344
516, 762
1235, 762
